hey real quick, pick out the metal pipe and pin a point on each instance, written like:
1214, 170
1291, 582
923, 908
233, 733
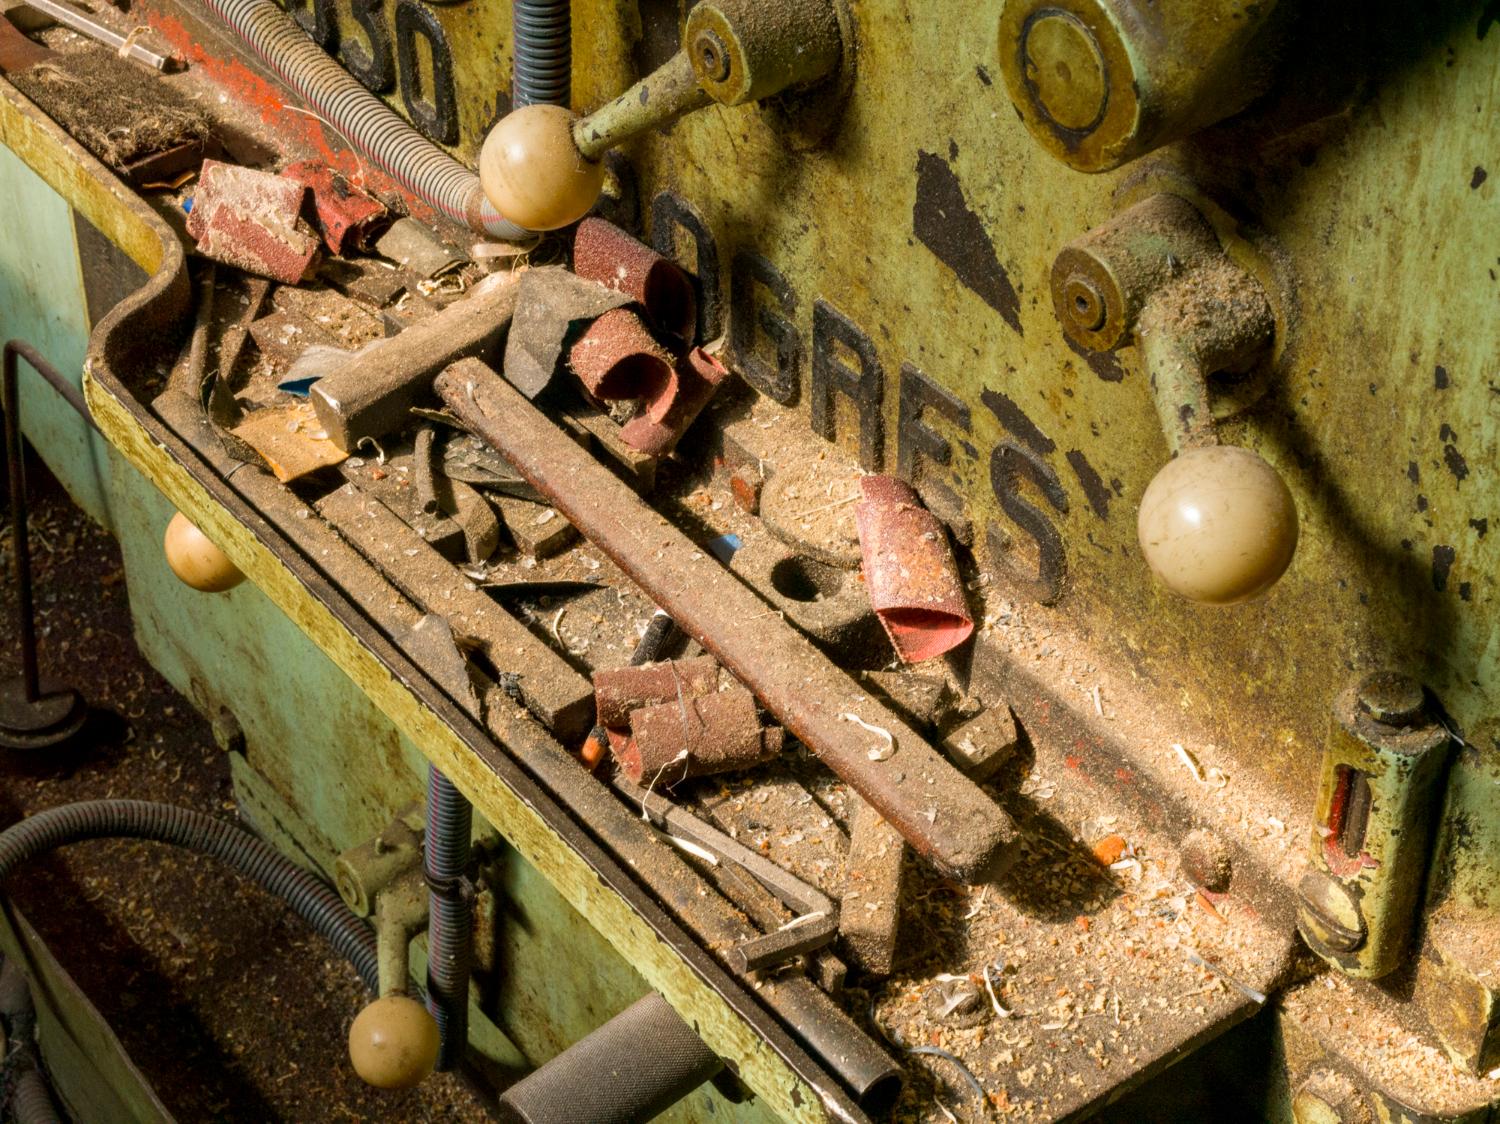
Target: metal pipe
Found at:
542, 52
946, 817
663, 95
75, 19
631, 1069
450, 926
15, 480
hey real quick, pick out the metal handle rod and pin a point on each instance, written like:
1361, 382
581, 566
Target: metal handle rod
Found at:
15, 484
96, 30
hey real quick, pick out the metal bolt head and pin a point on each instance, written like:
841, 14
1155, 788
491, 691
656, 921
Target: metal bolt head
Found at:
1064, 70
1328, 915
711, 55
1392, 698
1085, 305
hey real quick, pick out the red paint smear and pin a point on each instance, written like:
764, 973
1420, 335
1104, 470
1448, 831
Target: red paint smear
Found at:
1124, 775
1072, 761
247, 87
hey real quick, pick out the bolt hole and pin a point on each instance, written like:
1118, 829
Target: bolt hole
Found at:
802, 579
1081, 303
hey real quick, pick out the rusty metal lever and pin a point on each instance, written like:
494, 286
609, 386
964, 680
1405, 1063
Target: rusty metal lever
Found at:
817, 920
945, 817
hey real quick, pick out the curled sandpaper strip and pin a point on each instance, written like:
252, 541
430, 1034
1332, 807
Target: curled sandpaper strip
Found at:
715, 733
912, 579
620, 690
604, 253
656, 430
617, 358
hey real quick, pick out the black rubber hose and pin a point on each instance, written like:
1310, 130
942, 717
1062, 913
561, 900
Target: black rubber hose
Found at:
633, 1068
542, 47
312, 899
450, 925
370, 125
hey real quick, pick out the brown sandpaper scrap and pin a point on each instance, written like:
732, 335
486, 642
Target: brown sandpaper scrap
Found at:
537, 530
617, 358
870, 912
620, 690
657, 429
417, 249
472, 512
432, 646
604, 253
549, 302
120, 111
697, 737
980, 745
290, 439
252, 221
285, 334
910, 572
345, 213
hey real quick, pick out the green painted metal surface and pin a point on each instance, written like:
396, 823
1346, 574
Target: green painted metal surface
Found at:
42, 301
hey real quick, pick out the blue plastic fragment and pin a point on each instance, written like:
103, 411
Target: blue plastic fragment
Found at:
723, 547
298, 386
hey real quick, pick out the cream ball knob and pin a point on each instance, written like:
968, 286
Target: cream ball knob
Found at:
198, 562
531, 169
1218, 525
393, 1043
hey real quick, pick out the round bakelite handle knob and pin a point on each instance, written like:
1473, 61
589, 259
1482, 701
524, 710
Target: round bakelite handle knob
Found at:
198, 562
393, 1043
531, 169
1218, 525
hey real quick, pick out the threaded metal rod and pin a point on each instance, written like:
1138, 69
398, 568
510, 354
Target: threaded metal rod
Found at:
450, 933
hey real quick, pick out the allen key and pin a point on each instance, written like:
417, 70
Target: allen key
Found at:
817, 920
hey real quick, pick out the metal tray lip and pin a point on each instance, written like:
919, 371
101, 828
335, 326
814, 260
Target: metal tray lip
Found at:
129, 222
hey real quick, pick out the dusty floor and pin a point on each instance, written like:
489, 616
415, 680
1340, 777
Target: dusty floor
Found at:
231, 1006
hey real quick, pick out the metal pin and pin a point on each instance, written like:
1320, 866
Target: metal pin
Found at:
95, 30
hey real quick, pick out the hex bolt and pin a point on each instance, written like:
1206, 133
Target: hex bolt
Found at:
714, 55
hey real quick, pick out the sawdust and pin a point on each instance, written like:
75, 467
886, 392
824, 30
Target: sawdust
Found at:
116, 109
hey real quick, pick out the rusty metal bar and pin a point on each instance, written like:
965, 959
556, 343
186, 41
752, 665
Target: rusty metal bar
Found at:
945, 817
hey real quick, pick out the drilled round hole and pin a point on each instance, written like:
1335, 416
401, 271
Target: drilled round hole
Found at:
802, 579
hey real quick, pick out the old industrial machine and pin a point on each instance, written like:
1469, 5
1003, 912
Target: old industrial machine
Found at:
947, 552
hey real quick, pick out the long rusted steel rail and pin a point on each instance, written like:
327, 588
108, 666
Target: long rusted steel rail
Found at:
945, 817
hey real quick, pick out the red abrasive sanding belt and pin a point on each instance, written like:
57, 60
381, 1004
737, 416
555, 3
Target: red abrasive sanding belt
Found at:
912, 579
604, 253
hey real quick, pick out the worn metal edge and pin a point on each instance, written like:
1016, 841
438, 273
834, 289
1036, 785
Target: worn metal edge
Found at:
587, 885
589, 879
72, 1033
87, 185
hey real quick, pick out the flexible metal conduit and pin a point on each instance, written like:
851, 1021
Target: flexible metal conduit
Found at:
314, 901
542, 47
371, 126
450, 926
30, 1099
